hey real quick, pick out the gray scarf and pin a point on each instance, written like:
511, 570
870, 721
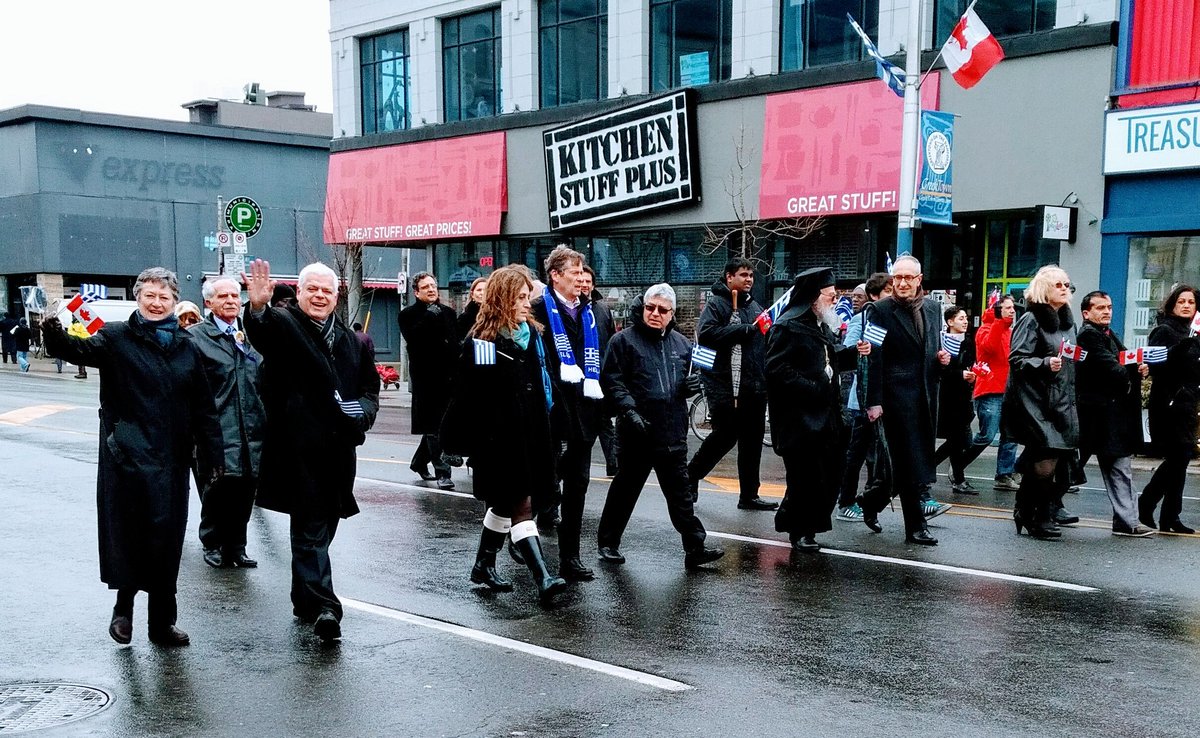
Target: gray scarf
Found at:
915, 306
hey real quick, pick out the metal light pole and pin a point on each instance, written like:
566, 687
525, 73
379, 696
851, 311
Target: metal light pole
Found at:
908, 146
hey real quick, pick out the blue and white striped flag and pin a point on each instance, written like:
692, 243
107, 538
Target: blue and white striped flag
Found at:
874, 334
767, 317
485, 352
353, 408
703, 357
92, 292
952, 343
888, 72
844, 307
887, 262
1154, 354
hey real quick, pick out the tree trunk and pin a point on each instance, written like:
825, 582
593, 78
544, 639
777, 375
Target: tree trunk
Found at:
354, 284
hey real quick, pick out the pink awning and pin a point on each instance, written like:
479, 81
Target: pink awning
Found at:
442, 190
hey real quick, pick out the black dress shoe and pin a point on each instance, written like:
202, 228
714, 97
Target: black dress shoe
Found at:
573, 570
327, 627
214, 558
806, 544
241, 560
121, 628
1064, 517
870, 517
168, 635
1178, 527
423, 473
611, 555
921, 538
700, 557
757, 503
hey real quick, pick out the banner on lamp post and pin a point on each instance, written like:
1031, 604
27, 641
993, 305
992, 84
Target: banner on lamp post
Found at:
935, 184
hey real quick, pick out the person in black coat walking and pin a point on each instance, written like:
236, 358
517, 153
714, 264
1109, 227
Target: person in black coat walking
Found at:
155, 408
737, 395
22, 338
430, 330
1108, 388
232, 366
955, 409
646, 376
804, 363
503, 391
1039, 403
902, 389
7, 343
1174, 401
324, 399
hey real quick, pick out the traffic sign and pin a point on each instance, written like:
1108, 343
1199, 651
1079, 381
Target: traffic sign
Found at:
239, 244
243, 215
222, 240
235, 264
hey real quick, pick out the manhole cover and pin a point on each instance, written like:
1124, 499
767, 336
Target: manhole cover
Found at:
32, 706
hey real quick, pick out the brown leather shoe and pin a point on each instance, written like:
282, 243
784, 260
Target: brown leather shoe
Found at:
121, 628
168, 635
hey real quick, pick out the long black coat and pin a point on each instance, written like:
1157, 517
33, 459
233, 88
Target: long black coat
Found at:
575, 417
233, 377
509, 424
904, 377
155, 408
466, 320
1109, 395
308, 457
714, 331
955, 408
805, 401
6, 336
431, 334
644, 370
1039, 405
1175, 387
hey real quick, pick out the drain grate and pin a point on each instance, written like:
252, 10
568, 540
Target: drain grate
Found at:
26, 707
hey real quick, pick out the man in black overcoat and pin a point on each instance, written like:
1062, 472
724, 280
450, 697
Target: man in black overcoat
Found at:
804, 360
902, 388
8, 344
1109, 396
232, 367
575, 418
325, 395
430, 330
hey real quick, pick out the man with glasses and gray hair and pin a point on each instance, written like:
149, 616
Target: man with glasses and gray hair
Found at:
646, 376
902, 389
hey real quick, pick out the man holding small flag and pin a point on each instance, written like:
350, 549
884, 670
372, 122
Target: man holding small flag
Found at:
804, 360
735, 384
1109, 394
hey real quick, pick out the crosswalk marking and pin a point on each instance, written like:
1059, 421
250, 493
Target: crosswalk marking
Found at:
23, 415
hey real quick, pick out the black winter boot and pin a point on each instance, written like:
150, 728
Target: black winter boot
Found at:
484, 571
548, 585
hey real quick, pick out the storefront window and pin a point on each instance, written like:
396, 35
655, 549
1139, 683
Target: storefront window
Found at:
456, 265
691, 42
1014, 251
815, 33
1156, 265
634, 260
573, 50
1003, 17
471, 65
384, 73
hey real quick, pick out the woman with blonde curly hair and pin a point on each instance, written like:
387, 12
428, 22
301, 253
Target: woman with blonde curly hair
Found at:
504, 394
1039, 403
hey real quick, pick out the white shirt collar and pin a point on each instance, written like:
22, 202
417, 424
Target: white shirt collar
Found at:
565, 301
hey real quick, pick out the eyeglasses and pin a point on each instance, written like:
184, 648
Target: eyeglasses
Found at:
1065, 285
660, 309
905, 277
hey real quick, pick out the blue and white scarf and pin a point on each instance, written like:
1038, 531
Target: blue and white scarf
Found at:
568, 369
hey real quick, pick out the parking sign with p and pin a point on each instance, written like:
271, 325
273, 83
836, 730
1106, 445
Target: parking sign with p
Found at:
243, 215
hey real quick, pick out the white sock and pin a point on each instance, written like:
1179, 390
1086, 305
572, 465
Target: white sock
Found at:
524, 529
492, 521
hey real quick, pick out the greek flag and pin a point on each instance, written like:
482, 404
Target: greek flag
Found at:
485, 352
844, 307
704, 357
952, 343
353, 408
888, 72
92, 292
874, 334
1154, 354
767, 317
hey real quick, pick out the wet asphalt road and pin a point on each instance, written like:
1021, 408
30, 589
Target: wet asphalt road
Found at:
1100, 639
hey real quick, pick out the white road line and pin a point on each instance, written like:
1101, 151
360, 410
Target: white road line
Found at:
530, 649
919, 564
450, 492
23, 415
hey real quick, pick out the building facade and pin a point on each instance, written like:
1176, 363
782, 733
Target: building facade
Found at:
95, 198
792, 143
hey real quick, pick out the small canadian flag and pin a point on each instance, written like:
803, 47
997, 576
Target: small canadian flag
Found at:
1132, 356
80, 309
971, 51
1069, 350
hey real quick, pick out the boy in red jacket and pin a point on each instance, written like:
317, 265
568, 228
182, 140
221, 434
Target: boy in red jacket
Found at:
991, 348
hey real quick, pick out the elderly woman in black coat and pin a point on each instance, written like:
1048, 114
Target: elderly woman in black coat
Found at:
1174, 401
504, 395
1039, 403
155, 407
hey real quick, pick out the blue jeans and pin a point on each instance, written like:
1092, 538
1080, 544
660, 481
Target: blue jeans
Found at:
23, 360
987, 408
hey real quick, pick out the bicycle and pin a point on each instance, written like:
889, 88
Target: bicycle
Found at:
700, 420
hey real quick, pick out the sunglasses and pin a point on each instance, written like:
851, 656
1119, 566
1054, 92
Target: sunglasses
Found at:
661, 310
1065, 285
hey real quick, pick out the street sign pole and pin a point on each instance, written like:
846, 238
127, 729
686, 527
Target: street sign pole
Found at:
220, 230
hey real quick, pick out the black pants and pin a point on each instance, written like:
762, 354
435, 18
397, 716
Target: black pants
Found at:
161, 607
863, 446
430, 450
312, 577
9, 351
634, 466
224, 512
961, 451
1167, 485
608, 443
812, 474
575, 471
743, 426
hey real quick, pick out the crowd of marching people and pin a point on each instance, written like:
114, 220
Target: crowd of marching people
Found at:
263, 398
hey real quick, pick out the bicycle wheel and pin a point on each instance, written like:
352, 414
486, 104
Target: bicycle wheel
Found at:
698, 417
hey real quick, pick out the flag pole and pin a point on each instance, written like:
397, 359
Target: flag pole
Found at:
906, 220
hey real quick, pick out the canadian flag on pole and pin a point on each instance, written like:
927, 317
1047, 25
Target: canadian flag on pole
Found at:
971, 51
79, 307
